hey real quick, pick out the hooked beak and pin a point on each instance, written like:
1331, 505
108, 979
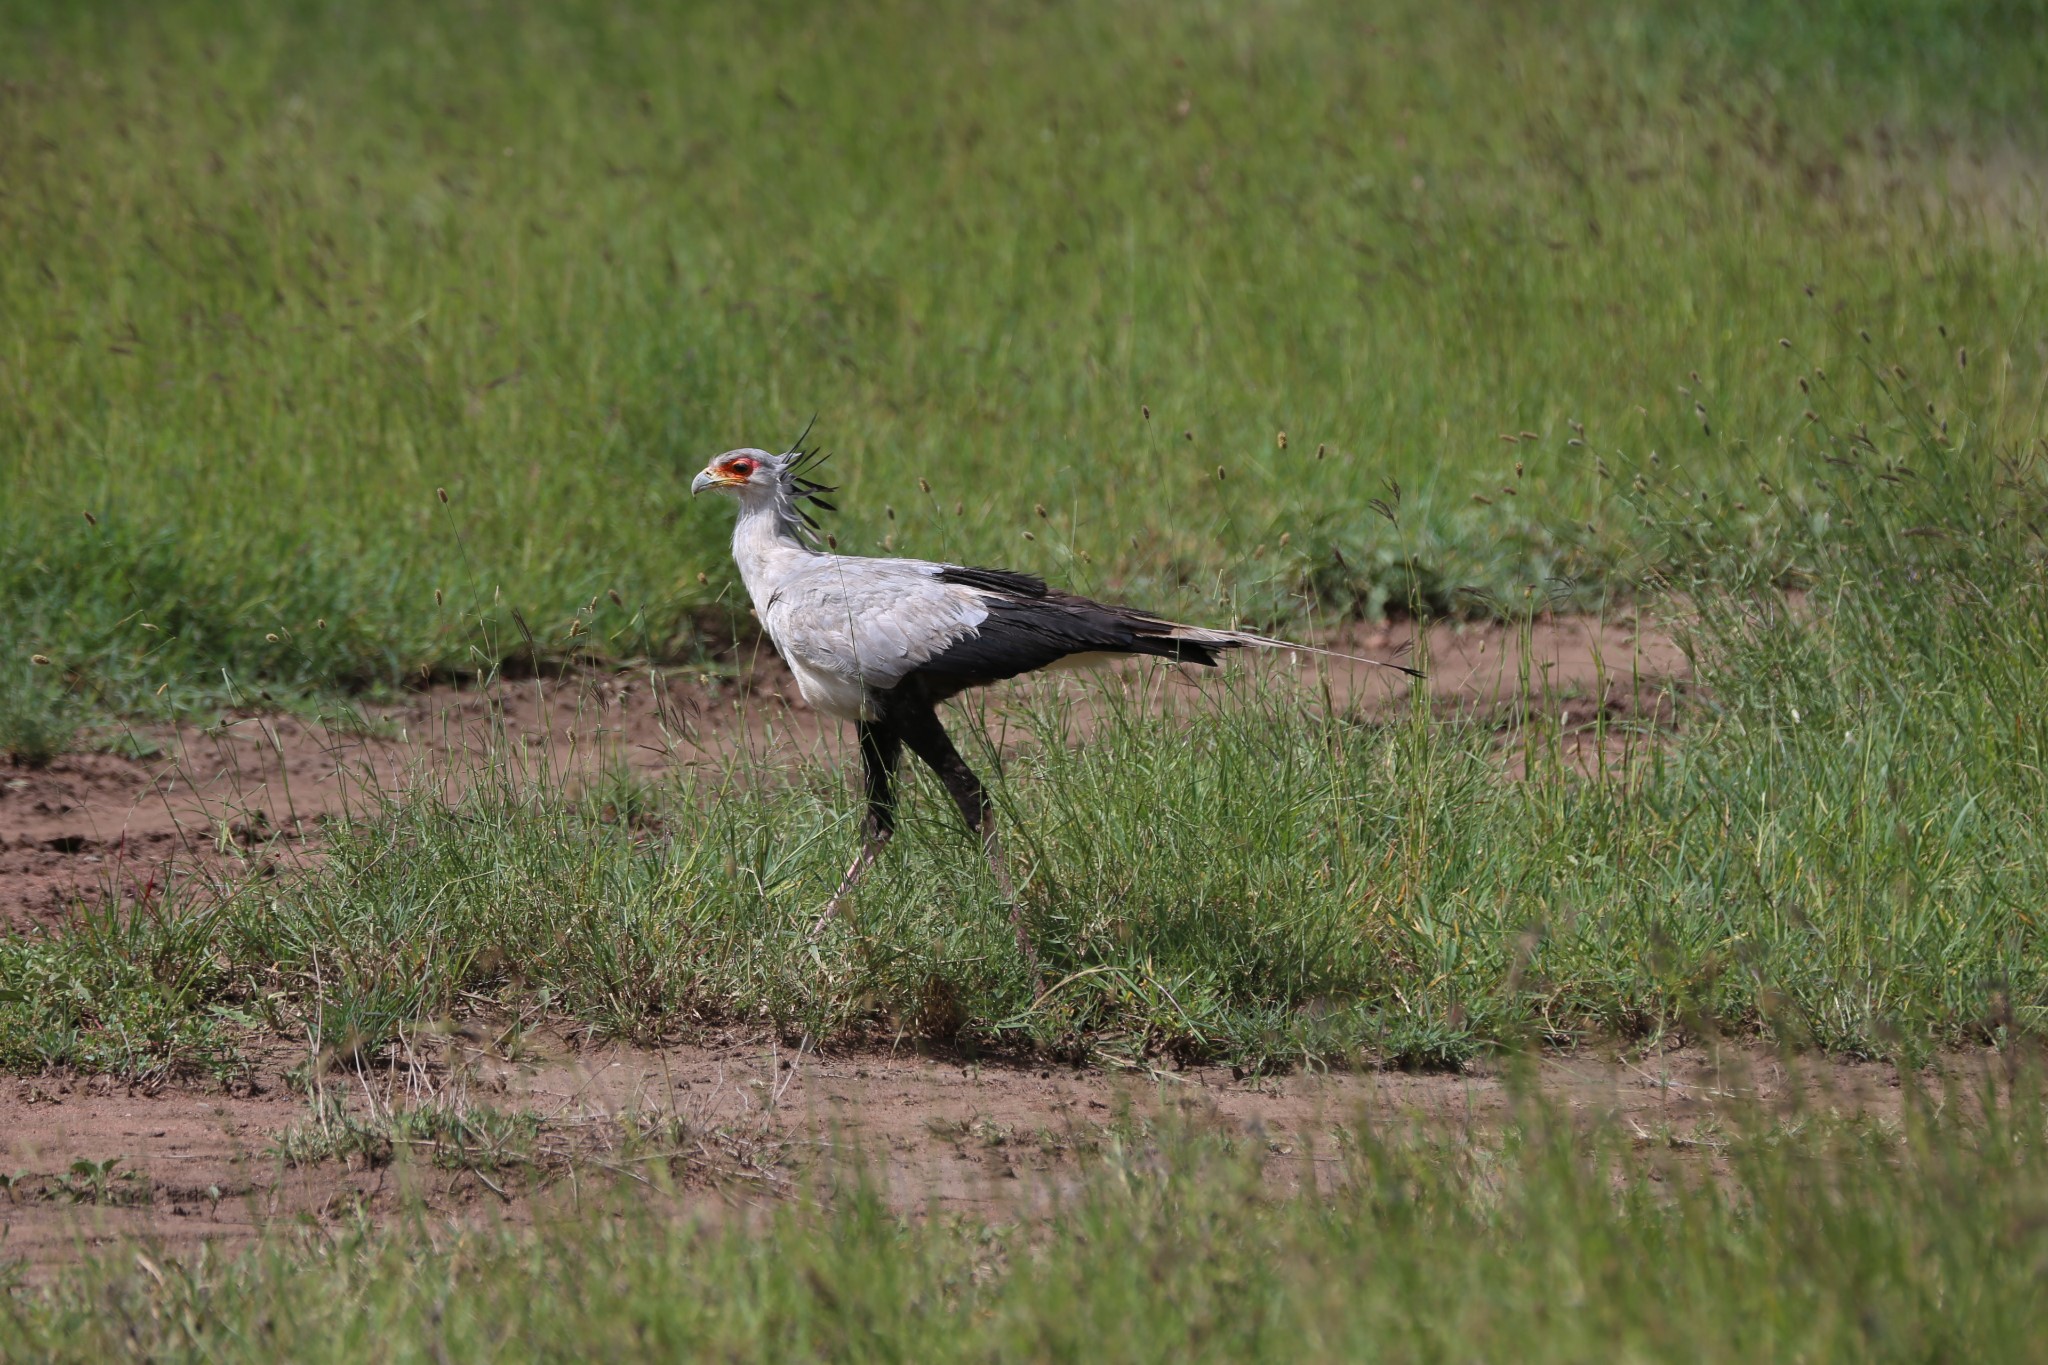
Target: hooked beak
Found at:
711, 478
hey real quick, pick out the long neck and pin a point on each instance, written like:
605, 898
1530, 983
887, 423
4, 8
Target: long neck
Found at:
766, 547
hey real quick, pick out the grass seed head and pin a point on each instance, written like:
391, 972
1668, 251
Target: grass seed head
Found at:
1962, 357
1321, 450
91, 520
1039, 508
1281, 440
617, 600
39, 660
923, 487
1785, 343
437, 597
442, 494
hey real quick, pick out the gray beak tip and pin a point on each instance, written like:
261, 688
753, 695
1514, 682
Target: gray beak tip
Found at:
700, 483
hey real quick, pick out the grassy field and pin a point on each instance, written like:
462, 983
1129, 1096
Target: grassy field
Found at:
1283, 313
270, 275
1838, 849
1812, 1240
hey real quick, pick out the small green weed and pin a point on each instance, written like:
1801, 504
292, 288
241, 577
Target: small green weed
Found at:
38, 721
465, 1137
97, 1182
129, 993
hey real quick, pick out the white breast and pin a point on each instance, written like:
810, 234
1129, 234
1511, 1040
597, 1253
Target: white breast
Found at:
832, 693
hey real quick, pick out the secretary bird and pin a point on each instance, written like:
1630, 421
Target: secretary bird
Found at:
881, 642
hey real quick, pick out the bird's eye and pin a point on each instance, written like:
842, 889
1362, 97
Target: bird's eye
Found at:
741, 468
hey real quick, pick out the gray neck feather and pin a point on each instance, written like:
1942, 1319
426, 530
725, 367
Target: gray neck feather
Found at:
768, 540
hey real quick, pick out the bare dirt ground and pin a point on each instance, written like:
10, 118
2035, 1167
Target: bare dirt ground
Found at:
732, 1122
713, 1128
232, 799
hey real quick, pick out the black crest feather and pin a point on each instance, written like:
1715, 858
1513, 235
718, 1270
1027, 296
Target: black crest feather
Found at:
798, 465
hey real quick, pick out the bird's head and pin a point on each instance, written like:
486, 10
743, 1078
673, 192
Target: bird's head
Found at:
781, 481
749, 473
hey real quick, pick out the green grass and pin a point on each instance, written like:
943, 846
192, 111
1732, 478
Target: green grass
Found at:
270, 275
269, 270
1810, 1240
455, 1137
1837, 847
37, 717
1511, 280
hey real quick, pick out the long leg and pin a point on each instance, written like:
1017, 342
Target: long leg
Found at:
928, 739
880, 746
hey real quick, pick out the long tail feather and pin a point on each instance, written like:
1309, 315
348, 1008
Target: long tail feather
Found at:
1245, 639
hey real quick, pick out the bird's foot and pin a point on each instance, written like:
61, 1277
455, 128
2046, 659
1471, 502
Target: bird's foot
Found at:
825, 917
1025, 947
865, 859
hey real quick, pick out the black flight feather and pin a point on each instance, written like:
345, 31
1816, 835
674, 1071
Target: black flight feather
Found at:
1030, 626
994, 580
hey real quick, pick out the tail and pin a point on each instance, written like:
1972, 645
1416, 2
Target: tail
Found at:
1198, 641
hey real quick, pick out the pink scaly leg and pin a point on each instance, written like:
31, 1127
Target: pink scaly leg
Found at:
870, 850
